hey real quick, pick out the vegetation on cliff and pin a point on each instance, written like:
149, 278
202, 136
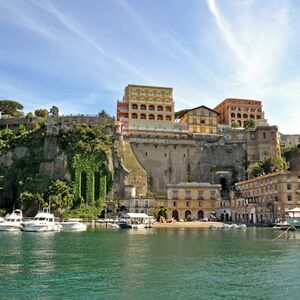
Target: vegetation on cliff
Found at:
86, 148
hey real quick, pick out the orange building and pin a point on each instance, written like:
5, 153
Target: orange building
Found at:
236, 111
147, 108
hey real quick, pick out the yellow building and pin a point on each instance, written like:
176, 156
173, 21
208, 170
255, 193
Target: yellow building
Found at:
200, 120
147, 108
193, 200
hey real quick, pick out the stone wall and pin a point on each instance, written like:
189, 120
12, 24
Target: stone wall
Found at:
174, 161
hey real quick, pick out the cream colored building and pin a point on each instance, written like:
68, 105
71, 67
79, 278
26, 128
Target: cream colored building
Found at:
200, 120
193, 200
265, 199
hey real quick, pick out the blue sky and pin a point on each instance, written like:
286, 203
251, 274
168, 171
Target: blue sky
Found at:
79, 55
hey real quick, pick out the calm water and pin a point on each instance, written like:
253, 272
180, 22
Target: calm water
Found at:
149, 264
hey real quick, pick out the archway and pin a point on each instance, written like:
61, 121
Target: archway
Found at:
175, 214
226, 217
188, 215
223, 182
222, 217
83, 185
200, 214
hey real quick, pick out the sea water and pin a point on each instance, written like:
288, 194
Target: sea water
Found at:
169, 263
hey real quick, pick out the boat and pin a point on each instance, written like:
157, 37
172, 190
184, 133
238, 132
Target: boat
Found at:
293, 218
136, 221
43, 221
12, 222
73, 225
281, 225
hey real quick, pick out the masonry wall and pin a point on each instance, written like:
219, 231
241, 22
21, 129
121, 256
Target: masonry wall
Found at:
174, 161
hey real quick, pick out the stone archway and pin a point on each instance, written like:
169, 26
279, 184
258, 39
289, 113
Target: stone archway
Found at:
200, 214
188, 215
175, 215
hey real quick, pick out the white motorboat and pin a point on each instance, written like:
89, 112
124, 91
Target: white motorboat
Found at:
12, 222
73, 225
43, 221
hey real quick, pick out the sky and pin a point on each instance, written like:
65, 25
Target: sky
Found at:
80, 55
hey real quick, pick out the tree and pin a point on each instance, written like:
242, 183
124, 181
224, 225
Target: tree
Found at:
250, 123
10, 107
41, 112
60, 194
54, 111
163, 213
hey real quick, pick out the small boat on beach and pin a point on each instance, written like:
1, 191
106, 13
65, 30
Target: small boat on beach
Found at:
12, 222
43, 221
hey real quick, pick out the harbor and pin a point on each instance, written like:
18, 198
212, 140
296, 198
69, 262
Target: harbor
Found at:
161, 263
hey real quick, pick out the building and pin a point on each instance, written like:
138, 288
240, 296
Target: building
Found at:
290, 139
201, 120
67, 122
265, 199
147, 109
235, 112
193, 200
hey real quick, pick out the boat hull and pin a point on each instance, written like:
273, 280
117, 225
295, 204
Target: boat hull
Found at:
73, 226
10, 227
42, 227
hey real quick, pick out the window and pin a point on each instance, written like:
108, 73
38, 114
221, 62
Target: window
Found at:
175, 195
200, 195
289, 186
134, 116
160, 117
187, 203
151, 107
213, 195
134, 106
264, 135
174, 203
143, 116
143, 107
187, 195
289, 198
159, 108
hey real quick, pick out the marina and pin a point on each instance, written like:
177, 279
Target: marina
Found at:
168, 263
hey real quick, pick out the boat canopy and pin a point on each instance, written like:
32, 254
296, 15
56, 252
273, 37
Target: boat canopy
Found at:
137, 216
295, 212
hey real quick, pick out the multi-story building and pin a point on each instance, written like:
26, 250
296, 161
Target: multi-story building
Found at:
147, 108
235, 112
265, 199
200, 119
193, 200
290, 139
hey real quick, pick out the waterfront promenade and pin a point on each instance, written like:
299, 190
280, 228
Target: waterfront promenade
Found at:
195, 224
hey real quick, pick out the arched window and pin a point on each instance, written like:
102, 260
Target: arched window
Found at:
151, 107
245, 116
143, 116
175, 214
143, 107
168, 108
168, 118
134, 116
134, 106
187, 215
151, 117
232, 115
159, 108
252, 117
258, 117
200, 214
239, 116
160, 117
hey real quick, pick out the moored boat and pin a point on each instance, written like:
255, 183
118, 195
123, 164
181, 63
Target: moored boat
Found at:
12, 222
73, 225
43, 221
136, 221
293, 218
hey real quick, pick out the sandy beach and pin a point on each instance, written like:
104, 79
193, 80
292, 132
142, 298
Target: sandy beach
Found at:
196, 224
